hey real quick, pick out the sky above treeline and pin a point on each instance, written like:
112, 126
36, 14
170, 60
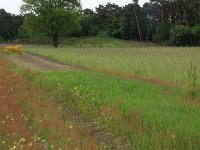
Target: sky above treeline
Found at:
13, 6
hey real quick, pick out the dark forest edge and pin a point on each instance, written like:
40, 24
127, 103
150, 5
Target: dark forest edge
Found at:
167, 22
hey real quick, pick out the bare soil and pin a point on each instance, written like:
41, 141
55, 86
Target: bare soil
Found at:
33, 62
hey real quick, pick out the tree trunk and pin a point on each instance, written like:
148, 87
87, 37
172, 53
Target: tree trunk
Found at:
162, 15
123, 37
170, 13
195, 18
55, 41
199, 12
8, 33
138, 25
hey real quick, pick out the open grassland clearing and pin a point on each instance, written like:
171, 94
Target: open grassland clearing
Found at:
169, 64
150, 116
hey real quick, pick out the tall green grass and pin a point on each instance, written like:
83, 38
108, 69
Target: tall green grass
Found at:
149, 116
165, 63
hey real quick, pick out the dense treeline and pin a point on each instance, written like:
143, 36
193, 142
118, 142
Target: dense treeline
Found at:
9, 25
174, 22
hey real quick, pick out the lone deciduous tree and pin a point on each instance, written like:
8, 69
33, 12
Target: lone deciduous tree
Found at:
53, 18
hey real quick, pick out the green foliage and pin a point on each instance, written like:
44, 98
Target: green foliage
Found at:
1, 39
97, 42
180, 35
152, 22
115, 28
52, 18
9, 24
103, 34
34, 26
60, 18
193, 77
22, 33
161, 32
123, 25
196, 34
88, 27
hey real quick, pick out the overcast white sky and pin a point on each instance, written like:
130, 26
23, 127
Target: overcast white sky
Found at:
12, 6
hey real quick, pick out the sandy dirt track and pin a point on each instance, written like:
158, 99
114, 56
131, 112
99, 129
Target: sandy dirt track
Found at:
33, 62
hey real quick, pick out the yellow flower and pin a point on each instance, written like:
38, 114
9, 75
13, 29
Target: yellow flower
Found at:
16, 49
173, 136
3, 142
14, 147
22, 140
30, 144
22, 146
69, 125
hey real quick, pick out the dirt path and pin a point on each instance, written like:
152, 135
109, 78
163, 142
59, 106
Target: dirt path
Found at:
3, 45
36, 62
30, 120
21, 105
33, 62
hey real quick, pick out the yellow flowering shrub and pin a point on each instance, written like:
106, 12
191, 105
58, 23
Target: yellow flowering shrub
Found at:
15, 49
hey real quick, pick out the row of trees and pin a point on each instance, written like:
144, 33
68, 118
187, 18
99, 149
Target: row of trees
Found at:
9, 25
48, 18
175, 22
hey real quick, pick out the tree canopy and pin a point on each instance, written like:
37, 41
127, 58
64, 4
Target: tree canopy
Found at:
156, 21
53, 18
9, 25
152, 22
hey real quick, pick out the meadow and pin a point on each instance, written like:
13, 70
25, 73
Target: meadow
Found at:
164, 63
150, 115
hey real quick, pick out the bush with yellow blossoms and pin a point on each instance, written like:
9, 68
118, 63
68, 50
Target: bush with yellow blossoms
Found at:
14, 49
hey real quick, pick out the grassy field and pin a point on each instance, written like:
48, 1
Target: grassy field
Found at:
150, 116
31, 119
133, 92
169, 64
